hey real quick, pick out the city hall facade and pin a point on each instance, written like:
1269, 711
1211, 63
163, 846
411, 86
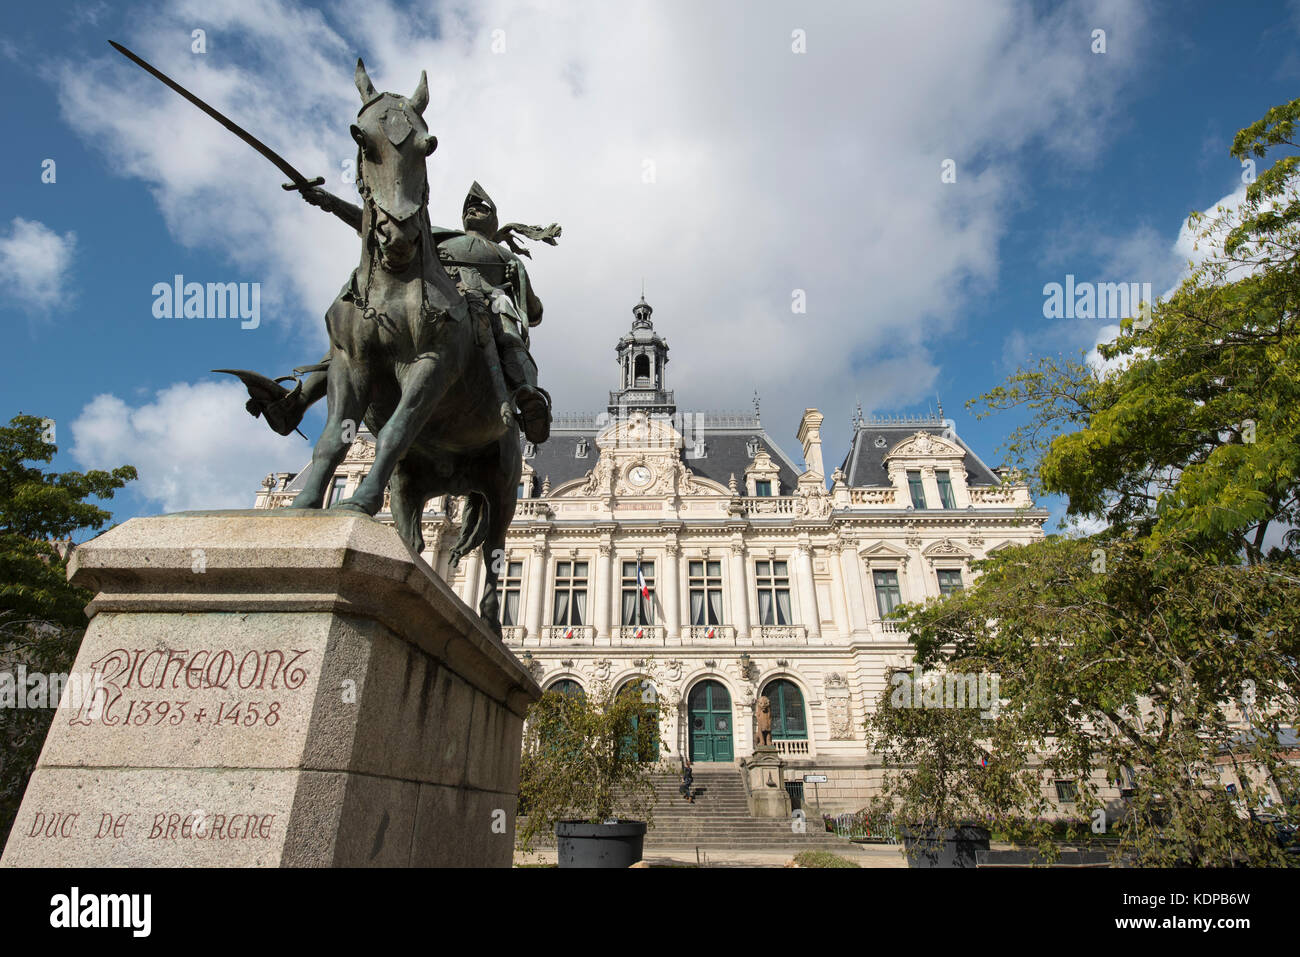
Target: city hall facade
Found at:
688, 550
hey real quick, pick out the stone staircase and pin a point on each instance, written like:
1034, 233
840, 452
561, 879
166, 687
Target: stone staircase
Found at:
720, 817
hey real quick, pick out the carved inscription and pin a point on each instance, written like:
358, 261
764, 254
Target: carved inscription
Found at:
132, 685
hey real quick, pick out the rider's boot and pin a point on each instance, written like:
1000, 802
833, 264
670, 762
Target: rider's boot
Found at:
534, 403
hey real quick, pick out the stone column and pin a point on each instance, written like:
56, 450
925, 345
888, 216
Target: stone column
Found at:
739, 590
600, 602
474, 578
669, 586
615, 602
851, 574
843, 625
807, 590
536, 590
329, 703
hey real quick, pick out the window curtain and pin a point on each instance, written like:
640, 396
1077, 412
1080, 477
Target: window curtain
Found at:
765, 607
715, 608
629, 607
561, 608
697, 608
783, 608
579, 608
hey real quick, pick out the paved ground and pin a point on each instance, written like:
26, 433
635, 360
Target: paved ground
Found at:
865, 855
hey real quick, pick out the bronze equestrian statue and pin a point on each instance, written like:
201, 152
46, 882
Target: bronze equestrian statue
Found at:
414, 339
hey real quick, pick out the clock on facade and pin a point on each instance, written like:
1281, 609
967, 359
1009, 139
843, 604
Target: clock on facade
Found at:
639, 475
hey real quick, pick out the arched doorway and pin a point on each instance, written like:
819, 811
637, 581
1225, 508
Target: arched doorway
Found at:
709, 717
645, 689
789, 720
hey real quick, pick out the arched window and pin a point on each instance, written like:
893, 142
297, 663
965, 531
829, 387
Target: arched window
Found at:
641, 370
789, 722
567, 686
646, 747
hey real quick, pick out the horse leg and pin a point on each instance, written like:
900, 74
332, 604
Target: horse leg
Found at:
407, 502
348, 391
499, 493
425, 385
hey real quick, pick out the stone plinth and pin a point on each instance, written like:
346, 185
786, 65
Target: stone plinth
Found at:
765, 783
276, 689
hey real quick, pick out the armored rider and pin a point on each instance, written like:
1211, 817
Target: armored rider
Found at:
485, 258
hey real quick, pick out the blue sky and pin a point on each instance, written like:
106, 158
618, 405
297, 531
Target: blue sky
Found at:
687, 145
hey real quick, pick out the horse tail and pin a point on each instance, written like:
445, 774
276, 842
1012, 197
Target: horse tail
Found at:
474, 528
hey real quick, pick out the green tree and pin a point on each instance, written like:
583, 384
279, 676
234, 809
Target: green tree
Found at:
41, 613
581, 757
1164, 649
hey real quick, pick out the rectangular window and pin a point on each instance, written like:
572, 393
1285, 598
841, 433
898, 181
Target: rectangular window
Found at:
519, 490
949, 581
336, 490
763, 487
508, 586
773, 593
1066, 792
637, 609
706, 592
570, 593
888, 597
917, 489
945, 490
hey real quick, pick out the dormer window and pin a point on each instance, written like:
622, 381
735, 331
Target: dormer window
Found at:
529, 450
946, 499
751, 447
580, 452
763, 487
917, 489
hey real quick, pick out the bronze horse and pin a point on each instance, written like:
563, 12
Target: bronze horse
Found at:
410, 358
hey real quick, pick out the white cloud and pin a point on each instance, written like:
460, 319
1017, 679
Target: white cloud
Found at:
194, 445
775, 171
34, 265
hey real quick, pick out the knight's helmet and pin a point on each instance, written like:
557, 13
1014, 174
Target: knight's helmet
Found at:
392, 143
477, 194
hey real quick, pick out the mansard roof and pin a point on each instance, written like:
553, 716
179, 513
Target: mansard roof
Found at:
726, 439
874, 438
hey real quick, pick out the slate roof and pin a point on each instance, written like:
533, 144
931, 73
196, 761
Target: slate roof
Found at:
873, 438
726, 449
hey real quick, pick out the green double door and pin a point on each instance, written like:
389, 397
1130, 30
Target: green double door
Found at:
709, 713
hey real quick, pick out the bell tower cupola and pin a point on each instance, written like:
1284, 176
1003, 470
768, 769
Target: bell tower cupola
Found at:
642, 359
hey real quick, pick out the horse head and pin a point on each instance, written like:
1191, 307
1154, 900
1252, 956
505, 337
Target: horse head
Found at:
392, 143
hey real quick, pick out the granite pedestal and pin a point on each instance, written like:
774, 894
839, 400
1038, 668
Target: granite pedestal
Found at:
275, 688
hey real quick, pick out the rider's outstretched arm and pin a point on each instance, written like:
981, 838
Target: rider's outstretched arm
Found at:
348, 212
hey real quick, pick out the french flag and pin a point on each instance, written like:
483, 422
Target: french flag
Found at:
710, 633
640, 581
569, 633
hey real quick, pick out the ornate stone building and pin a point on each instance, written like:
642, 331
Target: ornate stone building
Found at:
688, 549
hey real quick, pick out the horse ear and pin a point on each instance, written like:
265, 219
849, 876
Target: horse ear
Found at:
364, 86
420, 98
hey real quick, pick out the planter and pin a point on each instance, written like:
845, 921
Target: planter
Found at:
944, 847
581, 844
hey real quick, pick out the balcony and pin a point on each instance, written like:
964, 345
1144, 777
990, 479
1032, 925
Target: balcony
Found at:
512, 634
1007, 496
640, 634
780, 634
891, 627
874, 496
709, 634
568, 634
791, 747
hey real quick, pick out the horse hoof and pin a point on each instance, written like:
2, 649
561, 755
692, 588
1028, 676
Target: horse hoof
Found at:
351, 506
